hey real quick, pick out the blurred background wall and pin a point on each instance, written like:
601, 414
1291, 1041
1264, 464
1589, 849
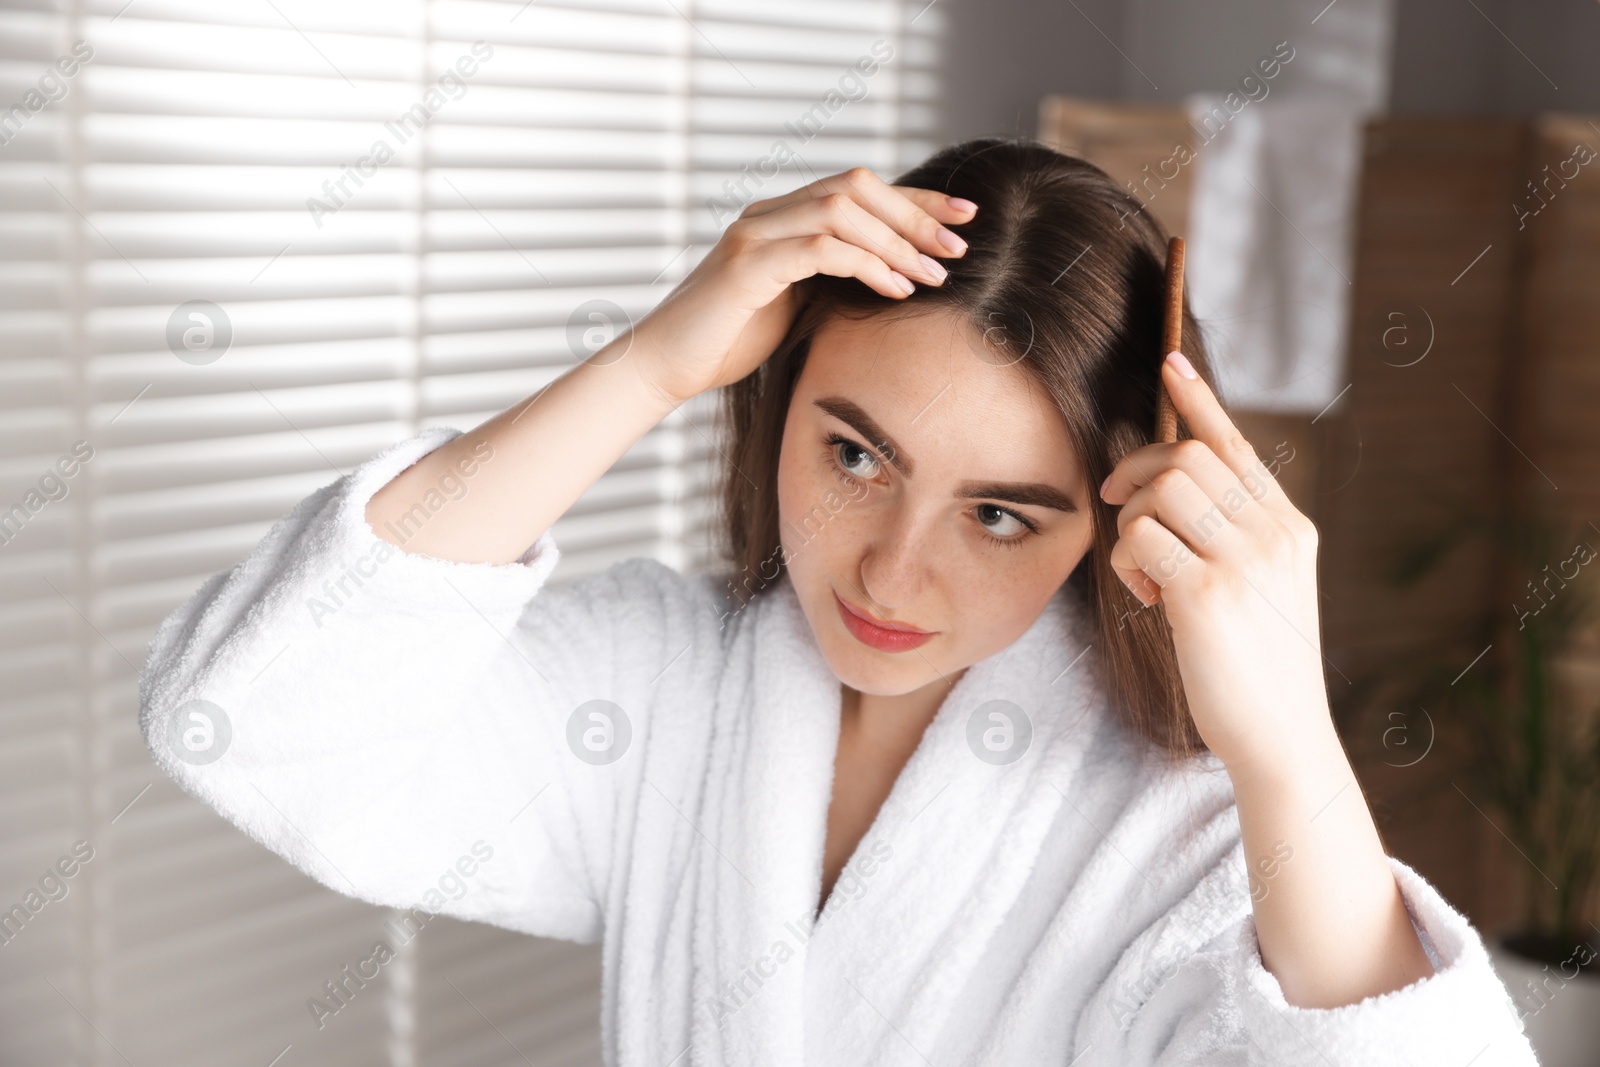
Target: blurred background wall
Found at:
212, 306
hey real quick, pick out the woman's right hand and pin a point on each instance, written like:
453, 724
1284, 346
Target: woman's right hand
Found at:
728, 315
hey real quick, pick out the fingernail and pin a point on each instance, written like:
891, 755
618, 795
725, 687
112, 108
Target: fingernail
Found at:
933, 266
902, 282
1181, 361
951, 240
1104, 484
961, 205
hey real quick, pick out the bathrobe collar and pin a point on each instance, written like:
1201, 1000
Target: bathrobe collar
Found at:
924, 885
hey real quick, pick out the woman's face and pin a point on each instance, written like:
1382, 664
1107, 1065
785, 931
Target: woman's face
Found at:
925, 481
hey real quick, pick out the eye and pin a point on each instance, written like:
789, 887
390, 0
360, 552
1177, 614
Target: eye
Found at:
1010, 529
853, 463
845, 455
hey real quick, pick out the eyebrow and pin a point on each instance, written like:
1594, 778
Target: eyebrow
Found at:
1037, 494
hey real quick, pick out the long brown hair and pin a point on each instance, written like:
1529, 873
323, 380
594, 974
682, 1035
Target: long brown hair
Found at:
1064, 275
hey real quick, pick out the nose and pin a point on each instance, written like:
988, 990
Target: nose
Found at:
896, 562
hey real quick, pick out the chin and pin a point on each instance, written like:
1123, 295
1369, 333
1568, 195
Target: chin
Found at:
880, 682
883, 682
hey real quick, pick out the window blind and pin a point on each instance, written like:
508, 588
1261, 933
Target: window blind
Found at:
245, 247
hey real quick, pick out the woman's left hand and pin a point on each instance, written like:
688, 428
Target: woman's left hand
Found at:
1206, 529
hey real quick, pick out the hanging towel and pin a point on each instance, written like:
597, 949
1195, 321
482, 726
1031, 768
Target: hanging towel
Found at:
1269, 265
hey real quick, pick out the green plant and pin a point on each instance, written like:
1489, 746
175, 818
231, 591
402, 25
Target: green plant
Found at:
1529, 746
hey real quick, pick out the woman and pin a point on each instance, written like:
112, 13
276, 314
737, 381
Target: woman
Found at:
921, 778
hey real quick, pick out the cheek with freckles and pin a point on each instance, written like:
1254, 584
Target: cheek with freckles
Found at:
823, 524
994, 603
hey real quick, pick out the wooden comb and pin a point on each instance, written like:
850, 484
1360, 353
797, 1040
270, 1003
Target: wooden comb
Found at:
1171, 340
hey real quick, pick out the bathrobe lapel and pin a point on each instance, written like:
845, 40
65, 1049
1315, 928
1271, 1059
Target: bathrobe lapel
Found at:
769, 786
961, 836
930, 881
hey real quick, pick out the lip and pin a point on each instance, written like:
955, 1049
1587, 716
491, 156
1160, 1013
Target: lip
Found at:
881, 636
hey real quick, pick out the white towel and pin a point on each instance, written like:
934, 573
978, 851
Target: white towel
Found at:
1050, 910
1269, 259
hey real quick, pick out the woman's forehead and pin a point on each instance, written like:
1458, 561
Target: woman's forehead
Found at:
920, 380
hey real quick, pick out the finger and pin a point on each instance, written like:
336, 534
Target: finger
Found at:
940, 207
1174, 500
918, 215
1207, 420
909, 214
789, 260
839, 215
1222, 489
1150, 559
950, 210
809, 191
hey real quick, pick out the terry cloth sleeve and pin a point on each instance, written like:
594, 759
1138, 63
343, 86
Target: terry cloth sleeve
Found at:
1223, 1008
420, 733
1460, 1014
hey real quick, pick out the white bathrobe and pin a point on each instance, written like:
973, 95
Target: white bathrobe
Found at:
393, 719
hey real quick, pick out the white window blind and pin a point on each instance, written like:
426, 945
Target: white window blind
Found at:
483, 178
